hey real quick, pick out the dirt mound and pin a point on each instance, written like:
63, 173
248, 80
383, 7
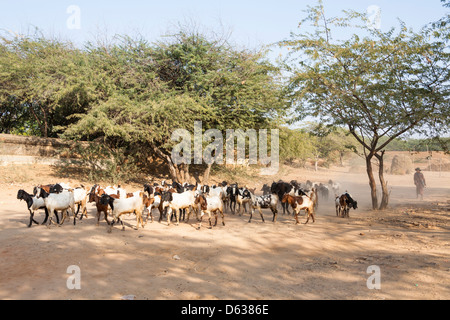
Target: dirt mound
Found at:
401, 165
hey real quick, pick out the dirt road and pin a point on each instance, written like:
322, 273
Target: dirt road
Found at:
329, 259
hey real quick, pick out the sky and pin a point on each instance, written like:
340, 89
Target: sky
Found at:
252, 23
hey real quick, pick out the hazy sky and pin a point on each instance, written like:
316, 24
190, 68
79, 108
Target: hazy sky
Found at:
252, 22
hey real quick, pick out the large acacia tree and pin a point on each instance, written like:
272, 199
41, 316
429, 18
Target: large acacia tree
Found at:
153, 89
42, 83
380, 85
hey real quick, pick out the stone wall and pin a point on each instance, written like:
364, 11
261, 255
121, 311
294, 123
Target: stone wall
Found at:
28, 150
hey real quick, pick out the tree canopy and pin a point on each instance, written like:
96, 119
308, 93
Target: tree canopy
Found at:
377, 84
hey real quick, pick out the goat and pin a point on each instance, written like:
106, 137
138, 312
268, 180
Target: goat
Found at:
334, 186
265, 189
221, 191
122, 193
297, 190
209, 205
205, 189
94, 197
178, 201
81, 197
323, 191
33, 204
122, 206
149, 189
151, 203
233, 192
243, 198
264, 202
343, 205
59, 201
300, 203
280, 189
49, 188
312, 194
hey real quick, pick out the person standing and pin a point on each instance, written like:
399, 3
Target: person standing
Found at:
419, 181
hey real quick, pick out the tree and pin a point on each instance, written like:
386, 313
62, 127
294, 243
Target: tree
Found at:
46, 81
150, 90
295, 144
377, 84
327, 141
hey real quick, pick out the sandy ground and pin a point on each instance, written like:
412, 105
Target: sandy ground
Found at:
410, 243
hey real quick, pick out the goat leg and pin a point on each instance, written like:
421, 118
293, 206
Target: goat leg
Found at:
261, 214
223, 217
64, 215
111, 225
106, 217
200, 222
275, 213
215, 216
296, 217
57, 217
31, 219
46, 216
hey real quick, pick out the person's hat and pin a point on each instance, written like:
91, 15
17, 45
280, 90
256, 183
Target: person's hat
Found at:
418, 169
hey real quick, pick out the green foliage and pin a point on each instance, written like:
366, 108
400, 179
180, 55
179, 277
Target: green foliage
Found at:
47, 80
378, 84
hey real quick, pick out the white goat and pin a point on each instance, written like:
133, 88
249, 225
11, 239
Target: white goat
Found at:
80, 197
119, 207
177, 201
117, 191
59, 201
208, 205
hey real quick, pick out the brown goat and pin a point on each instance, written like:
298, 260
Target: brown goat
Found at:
300, 203
94, 197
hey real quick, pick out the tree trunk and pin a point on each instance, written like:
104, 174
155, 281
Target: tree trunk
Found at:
341, 158
385, 197
205, 180
174, 172
372, 183
187, 176
316, 163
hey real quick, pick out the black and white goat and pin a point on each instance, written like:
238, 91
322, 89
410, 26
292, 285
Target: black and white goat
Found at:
344, 203
33, 204
264, 202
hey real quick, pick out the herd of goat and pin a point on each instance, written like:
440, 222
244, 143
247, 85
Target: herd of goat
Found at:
175, 200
